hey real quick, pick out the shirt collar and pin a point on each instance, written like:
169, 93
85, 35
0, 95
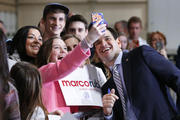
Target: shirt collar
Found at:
118, 60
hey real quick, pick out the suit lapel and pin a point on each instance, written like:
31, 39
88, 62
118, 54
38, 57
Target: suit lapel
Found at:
127, 72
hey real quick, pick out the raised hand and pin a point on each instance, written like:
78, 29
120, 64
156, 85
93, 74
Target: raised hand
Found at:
97, 30
108, 102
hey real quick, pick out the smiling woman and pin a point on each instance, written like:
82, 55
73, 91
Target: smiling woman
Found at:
52, 50
26, 44
33, 42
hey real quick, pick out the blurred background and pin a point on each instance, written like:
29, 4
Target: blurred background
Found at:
156, 15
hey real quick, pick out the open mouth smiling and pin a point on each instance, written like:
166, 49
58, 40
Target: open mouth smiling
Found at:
35, 47
60, 58
105, 50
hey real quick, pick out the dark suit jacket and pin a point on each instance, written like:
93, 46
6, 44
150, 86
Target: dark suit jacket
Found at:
178, 58
147, 75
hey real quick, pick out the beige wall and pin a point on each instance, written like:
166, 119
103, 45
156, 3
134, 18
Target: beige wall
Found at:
8, 15
30, 11
7, 5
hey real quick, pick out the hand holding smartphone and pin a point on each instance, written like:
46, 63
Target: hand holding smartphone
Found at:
97, 28
96, 16
159, 45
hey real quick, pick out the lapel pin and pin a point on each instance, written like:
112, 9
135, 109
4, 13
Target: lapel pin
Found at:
126, 59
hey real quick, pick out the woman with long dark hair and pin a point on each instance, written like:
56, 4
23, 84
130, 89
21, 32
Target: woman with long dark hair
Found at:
10, 103
28, 83
25, 44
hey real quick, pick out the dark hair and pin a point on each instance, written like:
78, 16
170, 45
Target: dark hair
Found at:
44, 52
38, 25
1, 22
27, 80
121, 34
113, 32
55, 8
134, 19
4, 76
19, 43
76, 18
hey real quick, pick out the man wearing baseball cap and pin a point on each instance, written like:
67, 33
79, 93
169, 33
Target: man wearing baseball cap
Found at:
54, 19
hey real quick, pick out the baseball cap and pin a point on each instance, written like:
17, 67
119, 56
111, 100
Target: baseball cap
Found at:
52, 6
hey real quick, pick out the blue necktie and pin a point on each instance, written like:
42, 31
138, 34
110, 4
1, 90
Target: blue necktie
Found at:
119, 86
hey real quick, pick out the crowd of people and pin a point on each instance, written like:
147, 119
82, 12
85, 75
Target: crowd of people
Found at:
134, 76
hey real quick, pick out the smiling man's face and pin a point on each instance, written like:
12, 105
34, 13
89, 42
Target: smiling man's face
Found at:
107, 48
54, 23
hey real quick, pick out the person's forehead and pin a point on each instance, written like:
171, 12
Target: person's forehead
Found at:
57, 40
157, 36
59, 14
135, 24
122, 37
106, 35
77, 24
33, 30
72, 39
119, 24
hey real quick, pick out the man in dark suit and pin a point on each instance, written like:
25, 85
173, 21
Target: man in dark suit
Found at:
144, 75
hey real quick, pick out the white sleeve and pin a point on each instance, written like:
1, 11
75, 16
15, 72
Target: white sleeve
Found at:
101, 77
54, 117
109, 117
38, 114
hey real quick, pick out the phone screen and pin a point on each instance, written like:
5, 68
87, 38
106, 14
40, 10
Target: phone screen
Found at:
96, 16
159, 45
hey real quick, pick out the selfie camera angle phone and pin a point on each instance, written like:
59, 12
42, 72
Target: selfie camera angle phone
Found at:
159, 45
96, 16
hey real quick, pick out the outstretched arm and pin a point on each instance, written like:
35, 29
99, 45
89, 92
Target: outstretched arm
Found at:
58, 70
165, 70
